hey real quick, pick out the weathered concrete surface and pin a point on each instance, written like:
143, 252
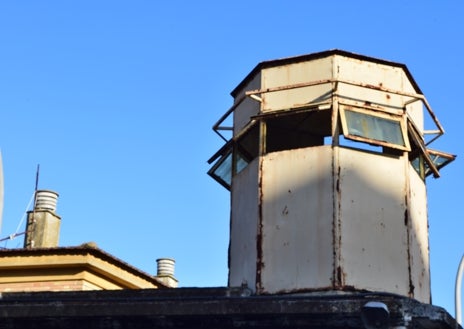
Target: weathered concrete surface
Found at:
208, 308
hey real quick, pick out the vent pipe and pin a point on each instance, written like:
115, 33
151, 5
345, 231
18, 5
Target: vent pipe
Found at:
46, 200
165, 272
165, 266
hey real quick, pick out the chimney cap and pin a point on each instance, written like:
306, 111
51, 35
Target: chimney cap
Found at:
165, 266
46, 200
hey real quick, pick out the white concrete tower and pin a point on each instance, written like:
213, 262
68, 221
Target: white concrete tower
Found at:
326, 167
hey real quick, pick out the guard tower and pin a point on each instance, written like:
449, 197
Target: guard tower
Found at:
326, 165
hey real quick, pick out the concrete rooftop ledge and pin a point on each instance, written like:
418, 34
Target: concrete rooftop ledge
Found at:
208, 308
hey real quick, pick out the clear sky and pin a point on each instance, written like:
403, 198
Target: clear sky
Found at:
115, 100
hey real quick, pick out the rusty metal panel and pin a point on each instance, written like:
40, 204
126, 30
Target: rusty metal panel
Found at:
416, 112
293, 74
297, 211
243, 230
374, 76
373, 245
418, 238
248, 107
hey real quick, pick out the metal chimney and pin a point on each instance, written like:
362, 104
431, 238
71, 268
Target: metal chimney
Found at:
165, 272
43, 224
326, 164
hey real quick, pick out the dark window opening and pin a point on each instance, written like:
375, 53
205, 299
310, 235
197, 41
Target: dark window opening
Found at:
248, 144
292, 131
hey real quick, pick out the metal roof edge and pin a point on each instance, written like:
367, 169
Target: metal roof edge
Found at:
318, 55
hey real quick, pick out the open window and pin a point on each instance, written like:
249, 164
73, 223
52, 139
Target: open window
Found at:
307, 127
235, 155
426, 161
297, 129
374, 127
439, 159
221, 171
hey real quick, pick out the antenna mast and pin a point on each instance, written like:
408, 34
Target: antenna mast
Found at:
30, 225
36, 185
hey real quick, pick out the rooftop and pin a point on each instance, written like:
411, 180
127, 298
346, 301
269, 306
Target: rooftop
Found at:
209, 308
85, 263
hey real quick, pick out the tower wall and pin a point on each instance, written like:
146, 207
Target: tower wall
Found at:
243, 251
297, 212
327, 168
296, 75
372, 222
418, 237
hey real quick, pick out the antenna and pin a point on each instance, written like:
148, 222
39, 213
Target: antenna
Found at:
36, 184
30, 225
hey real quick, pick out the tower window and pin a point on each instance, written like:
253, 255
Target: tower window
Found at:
374, 127
235, 156
291, 130
222, 170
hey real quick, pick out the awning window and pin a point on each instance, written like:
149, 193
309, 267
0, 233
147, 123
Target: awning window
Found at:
374, 127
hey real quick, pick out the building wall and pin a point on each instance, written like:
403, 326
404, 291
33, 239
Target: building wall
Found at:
248, 107
295, 74
418, 237
244, 227
69, 285
373, 244
297, 211
372, 75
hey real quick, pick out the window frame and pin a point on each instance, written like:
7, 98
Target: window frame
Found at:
401, 119
222, 159
433, 155
233, 151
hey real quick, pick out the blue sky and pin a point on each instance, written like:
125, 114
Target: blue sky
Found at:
115, 100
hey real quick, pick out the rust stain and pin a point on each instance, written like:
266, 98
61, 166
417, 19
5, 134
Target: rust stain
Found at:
285, 211
340, 278
408, 249
259, 236
336, 227
340, 274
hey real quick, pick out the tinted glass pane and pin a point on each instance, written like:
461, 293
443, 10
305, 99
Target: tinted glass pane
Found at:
373, 127
241, 163
224, 169
418, 165
438, 161
249, 143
